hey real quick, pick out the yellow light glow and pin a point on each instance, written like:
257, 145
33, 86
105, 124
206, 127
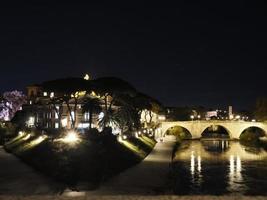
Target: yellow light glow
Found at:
71, 137
162, 117
93, 93
86, 77
27, 137
38, 140
120, 140
21, 133
78, 94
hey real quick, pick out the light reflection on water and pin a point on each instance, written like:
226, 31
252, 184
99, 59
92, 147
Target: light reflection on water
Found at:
219, 167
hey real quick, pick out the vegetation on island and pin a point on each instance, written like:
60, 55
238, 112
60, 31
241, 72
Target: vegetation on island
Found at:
93, 156
91, 159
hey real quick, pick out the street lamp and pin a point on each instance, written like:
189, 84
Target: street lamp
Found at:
192, 117
198, 116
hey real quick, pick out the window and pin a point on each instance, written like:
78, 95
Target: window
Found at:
56, 112
86, 116
56, 125
45, 94
101, 115
64, 122
72, 115
31, 121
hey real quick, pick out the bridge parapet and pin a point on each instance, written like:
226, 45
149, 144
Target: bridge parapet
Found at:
196, 128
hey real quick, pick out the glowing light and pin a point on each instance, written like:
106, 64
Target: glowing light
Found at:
93, 93
232, 166
162, 117
150, 135
124, 137
120, 139
56, 125
199, 163
21, 133
198, 116
30, 122
71, 137
192, 117
237, 117
101, 115
253, 120
45, 94
79, 94
86, 77
52, 94
83, 125
38, 140
192, 163
27, 137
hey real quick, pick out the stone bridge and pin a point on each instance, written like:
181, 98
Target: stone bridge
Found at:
196, 128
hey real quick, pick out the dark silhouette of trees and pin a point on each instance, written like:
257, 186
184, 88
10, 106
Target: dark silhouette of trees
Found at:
91, 105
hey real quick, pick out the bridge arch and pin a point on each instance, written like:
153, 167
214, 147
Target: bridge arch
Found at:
216, 130
178, 130
258, 131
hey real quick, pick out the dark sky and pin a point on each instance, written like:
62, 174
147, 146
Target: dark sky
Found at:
211, 54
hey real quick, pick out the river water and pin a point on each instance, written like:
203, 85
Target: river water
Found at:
219, 167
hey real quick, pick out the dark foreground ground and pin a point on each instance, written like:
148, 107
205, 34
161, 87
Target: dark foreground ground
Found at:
18, 178
133, 198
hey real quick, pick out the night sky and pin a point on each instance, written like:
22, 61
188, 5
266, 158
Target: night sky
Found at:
210, 54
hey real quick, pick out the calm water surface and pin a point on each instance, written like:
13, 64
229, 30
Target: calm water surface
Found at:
219, 167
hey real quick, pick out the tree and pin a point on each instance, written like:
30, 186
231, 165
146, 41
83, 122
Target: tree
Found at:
56, 103
125, 118
11, 102
91, 105
69, 91
110, 89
